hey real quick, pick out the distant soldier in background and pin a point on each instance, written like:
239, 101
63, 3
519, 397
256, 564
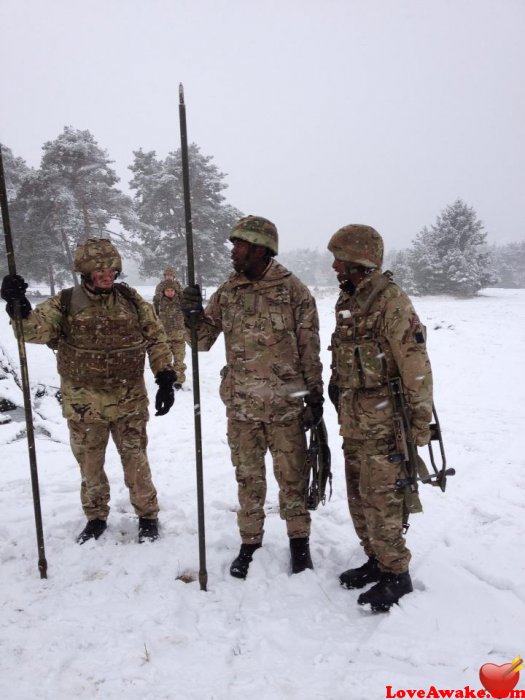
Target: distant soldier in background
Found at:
167, 276
271, 383
167, 304
102, 332
378, 336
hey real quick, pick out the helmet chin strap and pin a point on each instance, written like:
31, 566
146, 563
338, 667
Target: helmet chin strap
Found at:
347, 287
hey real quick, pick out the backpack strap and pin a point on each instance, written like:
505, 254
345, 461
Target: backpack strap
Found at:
128, 293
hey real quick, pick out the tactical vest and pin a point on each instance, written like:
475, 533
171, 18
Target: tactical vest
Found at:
101, 347
170, 314
363, 358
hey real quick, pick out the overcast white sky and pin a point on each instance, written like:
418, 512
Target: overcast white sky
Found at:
321, 112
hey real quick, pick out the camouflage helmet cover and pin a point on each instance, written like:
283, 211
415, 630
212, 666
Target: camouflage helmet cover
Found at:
166, 284
256, 230
359, 244
169, 271
96, 254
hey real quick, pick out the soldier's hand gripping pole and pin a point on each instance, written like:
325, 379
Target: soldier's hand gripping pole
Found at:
17, 320
203, 575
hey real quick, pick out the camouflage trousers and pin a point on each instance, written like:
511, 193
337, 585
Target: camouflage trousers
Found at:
376, 506
89, 442
249, 442
178, 350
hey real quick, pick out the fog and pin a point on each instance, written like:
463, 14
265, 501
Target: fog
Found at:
321, 112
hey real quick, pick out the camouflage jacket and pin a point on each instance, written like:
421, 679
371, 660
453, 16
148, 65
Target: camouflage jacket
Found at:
87, 352
159, 291
169, 310
378, 336
271, 332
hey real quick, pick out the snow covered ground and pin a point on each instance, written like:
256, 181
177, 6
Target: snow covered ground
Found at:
113, 622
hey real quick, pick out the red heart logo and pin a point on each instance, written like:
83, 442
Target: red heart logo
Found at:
498, 680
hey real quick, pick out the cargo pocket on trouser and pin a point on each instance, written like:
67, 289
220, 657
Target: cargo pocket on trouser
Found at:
383, 510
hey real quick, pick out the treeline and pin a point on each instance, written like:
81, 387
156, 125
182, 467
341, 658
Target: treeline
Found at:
73, 195
449, 257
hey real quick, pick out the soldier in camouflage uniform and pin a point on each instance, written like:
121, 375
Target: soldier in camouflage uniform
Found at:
168, 276
271, 331
172, 317
102, 334
378, 336
167, 304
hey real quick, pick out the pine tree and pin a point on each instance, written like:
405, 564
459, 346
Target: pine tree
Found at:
78, 173
509, 264
160, 219
451, 257
39, 248
15, 170
398, 262
73, 196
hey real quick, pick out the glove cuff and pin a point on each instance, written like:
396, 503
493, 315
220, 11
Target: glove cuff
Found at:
25, 308
314, 399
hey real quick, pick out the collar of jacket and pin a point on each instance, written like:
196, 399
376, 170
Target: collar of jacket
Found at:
274, 274
369, 288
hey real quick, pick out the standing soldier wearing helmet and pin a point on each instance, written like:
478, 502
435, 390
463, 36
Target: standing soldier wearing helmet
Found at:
271, 384
102, 332
378, 336
167, 276
167, 304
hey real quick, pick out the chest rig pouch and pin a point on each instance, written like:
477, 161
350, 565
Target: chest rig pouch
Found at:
361, 362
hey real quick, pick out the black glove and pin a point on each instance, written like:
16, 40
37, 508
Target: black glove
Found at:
333, 395
191, 301
313, 412
14, 289
165, 397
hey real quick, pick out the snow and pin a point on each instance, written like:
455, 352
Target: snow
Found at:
113, 621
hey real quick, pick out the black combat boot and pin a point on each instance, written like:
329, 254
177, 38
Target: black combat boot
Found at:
300, 551
148, 530
387, 592
369, 572
240, 565
92, 531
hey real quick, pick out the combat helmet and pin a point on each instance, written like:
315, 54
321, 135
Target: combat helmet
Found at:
256, 230
170, 271
96, 254
166, 284
359, 244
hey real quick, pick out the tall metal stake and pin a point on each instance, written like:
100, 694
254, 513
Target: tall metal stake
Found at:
203, 575
42, 563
